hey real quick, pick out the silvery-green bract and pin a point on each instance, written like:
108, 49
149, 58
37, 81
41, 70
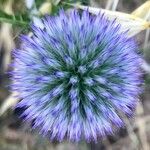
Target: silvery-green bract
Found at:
75, 74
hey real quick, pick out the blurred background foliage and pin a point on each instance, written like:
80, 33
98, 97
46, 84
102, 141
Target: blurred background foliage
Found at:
15, 19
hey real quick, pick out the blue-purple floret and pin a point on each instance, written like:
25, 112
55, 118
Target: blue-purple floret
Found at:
75, 75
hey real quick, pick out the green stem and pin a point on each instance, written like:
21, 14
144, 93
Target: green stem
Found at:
12, 21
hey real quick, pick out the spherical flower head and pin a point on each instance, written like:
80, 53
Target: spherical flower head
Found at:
75, 74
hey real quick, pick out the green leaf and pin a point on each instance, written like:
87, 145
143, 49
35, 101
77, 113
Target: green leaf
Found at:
20, 20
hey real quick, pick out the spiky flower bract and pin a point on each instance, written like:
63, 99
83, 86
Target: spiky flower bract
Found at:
75, 74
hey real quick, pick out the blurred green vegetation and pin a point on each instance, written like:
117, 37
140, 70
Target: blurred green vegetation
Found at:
22, 15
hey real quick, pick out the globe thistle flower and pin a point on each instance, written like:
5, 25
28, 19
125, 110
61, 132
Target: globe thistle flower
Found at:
75, 74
